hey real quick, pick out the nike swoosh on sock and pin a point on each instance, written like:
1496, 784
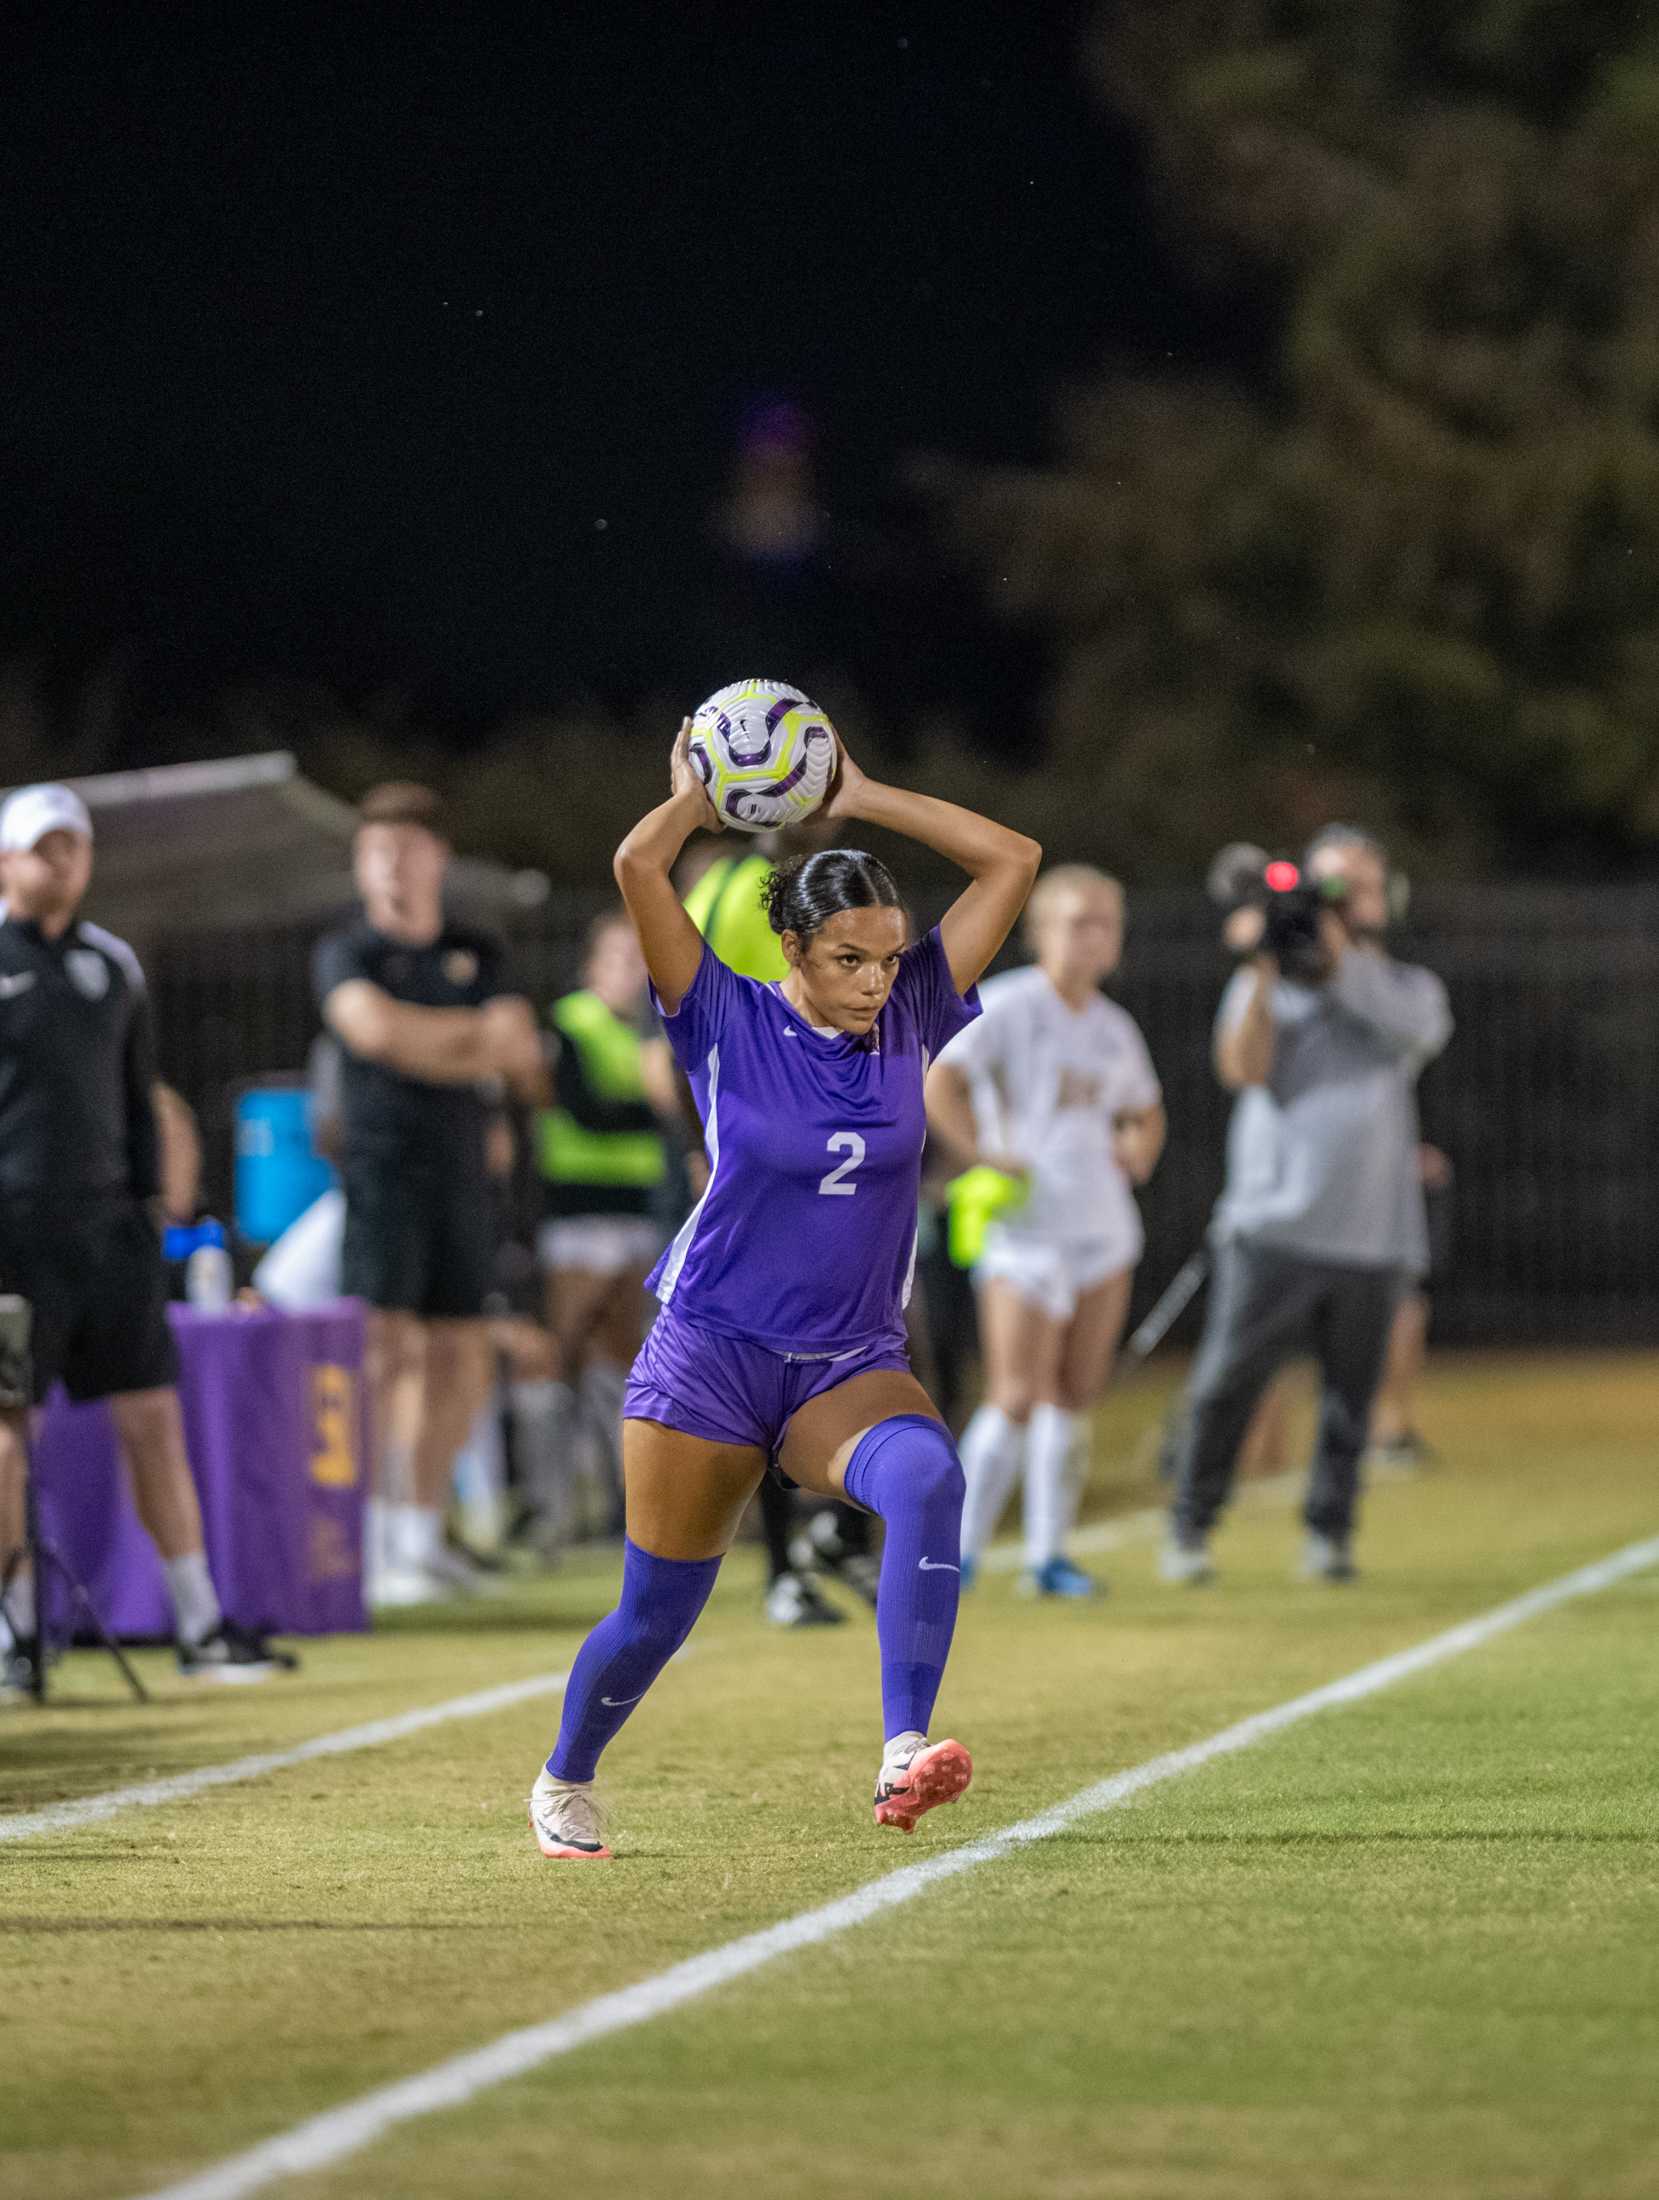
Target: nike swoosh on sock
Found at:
936, 1566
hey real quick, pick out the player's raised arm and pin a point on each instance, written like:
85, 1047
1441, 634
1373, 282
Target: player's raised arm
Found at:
672, 944
1001, 864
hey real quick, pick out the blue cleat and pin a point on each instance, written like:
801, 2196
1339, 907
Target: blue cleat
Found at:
1060, 1578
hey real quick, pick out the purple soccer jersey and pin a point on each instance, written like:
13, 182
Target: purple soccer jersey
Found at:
805, 1238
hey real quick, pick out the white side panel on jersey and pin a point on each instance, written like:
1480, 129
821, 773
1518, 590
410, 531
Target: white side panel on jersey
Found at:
916, 1233
688, 1229
118, 952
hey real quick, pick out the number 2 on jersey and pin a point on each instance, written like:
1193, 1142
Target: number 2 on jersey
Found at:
849, 1143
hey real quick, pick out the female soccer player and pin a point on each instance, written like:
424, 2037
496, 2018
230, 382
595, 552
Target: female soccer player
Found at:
781, 1333
1054, 1082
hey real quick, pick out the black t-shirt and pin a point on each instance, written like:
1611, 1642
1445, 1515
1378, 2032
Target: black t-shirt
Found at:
385, 1116
77, 1067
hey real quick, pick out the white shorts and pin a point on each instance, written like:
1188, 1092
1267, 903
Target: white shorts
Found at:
1052, 1273
603, 1245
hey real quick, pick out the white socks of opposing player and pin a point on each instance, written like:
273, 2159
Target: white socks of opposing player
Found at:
399, 1537
1050, 1440
417, 1536
991, 1449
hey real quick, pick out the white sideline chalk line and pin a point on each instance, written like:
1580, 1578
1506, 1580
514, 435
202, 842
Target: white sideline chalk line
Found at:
86, 1810
337, 2133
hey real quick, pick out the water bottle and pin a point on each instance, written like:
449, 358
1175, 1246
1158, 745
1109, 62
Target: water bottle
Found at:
209, 1281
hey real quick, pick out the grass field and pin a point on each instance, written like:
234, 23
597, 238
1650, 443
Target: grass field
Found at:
1408, 1946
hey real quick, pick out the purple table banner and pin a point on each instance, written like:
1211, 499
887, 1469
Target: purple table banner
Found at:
276, 1421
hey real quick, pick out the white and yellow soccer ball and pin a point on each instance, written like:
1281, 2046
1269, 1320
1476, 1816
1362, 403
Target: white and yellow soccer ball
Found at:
765, 753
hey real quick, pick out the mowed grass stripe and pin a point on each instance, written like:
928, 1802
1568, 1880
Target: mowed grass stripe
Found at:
334, 2136
85, 1810
63, 1817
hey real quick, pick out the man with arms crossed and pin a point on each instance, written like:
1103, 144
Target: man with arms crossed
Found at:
1320, 1223
421, 1011
80, 1166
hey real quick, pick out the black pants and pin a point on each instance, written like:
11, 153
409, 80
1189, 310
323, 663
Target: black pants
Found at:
1268, 1306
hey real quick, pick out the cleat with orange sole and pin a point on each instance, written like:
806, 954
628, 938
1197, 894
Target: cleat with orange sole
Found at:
910, 1786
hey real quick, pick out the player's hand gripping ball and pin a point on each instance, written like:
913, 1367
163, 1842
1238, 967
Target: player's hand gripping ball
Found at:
764, 753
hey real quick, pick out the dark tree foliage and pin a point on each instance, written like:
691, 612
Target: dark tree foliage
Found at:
1411, 569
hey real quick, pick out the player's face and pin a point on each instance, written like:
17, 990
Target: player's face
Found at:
1363, 873
1079, 935
848, 967
51, 878
616, 968
400, 873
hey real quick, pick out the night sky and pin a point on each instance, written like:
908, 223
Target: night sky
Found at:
411, 348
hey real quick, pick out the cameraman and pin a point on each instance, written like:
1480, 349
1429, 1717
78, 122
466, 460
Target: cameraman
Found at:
1320, 1221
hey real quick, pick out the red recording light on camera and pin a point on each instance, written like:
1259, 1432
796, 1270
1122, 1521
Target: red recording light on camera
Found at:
1281, 877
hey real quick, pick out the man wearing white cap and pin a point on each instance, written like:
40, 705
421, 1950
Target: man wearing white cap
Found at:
79, 1161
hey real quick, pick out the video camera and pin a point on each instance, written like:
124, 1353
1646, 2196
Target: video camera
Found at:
1291, 904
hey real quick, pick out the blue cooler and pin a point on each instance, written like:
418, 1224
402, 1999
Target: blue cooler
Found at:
279, 1172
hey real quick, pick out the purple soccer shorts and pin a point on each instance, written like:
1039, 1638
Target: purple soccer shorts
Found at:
732, 1391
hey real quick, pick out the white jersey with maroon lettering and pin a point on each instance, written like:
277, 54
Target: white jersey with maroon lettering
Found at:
1048, 1083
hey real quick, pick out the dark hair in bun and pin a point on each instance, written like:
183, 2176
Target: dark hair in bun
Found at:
806, 891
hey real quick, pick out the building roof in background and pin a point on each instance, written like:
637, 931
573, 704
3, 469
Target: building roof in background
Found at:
241, 843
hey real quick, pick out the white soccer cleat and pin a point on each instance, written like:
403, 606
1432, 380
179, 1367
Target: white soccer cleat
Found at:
916, 1776
1188, 1563
458, 1575
1326, 1558
795, 1600
396, 1588
566, 1820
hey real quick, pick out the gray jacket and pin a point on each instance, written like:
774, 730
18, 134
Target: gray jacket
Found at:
1322, 1159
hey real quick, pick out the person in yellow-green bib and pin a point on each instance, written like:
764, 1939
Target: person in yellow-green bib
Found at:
602, 1157
726, 906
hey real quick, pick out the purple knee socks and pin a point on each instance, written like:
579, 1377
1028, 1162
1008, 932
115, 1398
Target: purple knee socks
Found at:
660, 1601
906, 1469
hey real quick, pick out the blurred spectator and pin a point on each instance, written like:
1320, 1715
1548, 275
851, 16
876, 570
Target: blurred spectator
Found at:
80, 1172
424, 1016
602, 1159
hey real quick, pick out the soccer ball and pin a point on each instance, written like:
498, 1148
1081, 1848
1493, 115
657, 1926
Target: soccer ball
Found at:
765, 754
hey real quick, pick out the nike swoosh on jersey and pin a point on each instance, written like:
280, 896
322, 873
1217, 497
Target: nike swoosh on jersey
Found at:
936, 1566
788, 1031
19, 982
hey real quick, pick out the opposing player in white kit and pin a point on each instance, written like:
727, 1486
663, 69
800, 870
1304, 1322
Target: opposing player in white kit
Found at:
1053, 1083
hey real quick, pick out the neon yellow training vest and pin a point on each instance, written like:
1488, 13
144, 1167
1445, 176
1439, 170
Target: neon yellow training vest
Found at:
609, 1050
729, 893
